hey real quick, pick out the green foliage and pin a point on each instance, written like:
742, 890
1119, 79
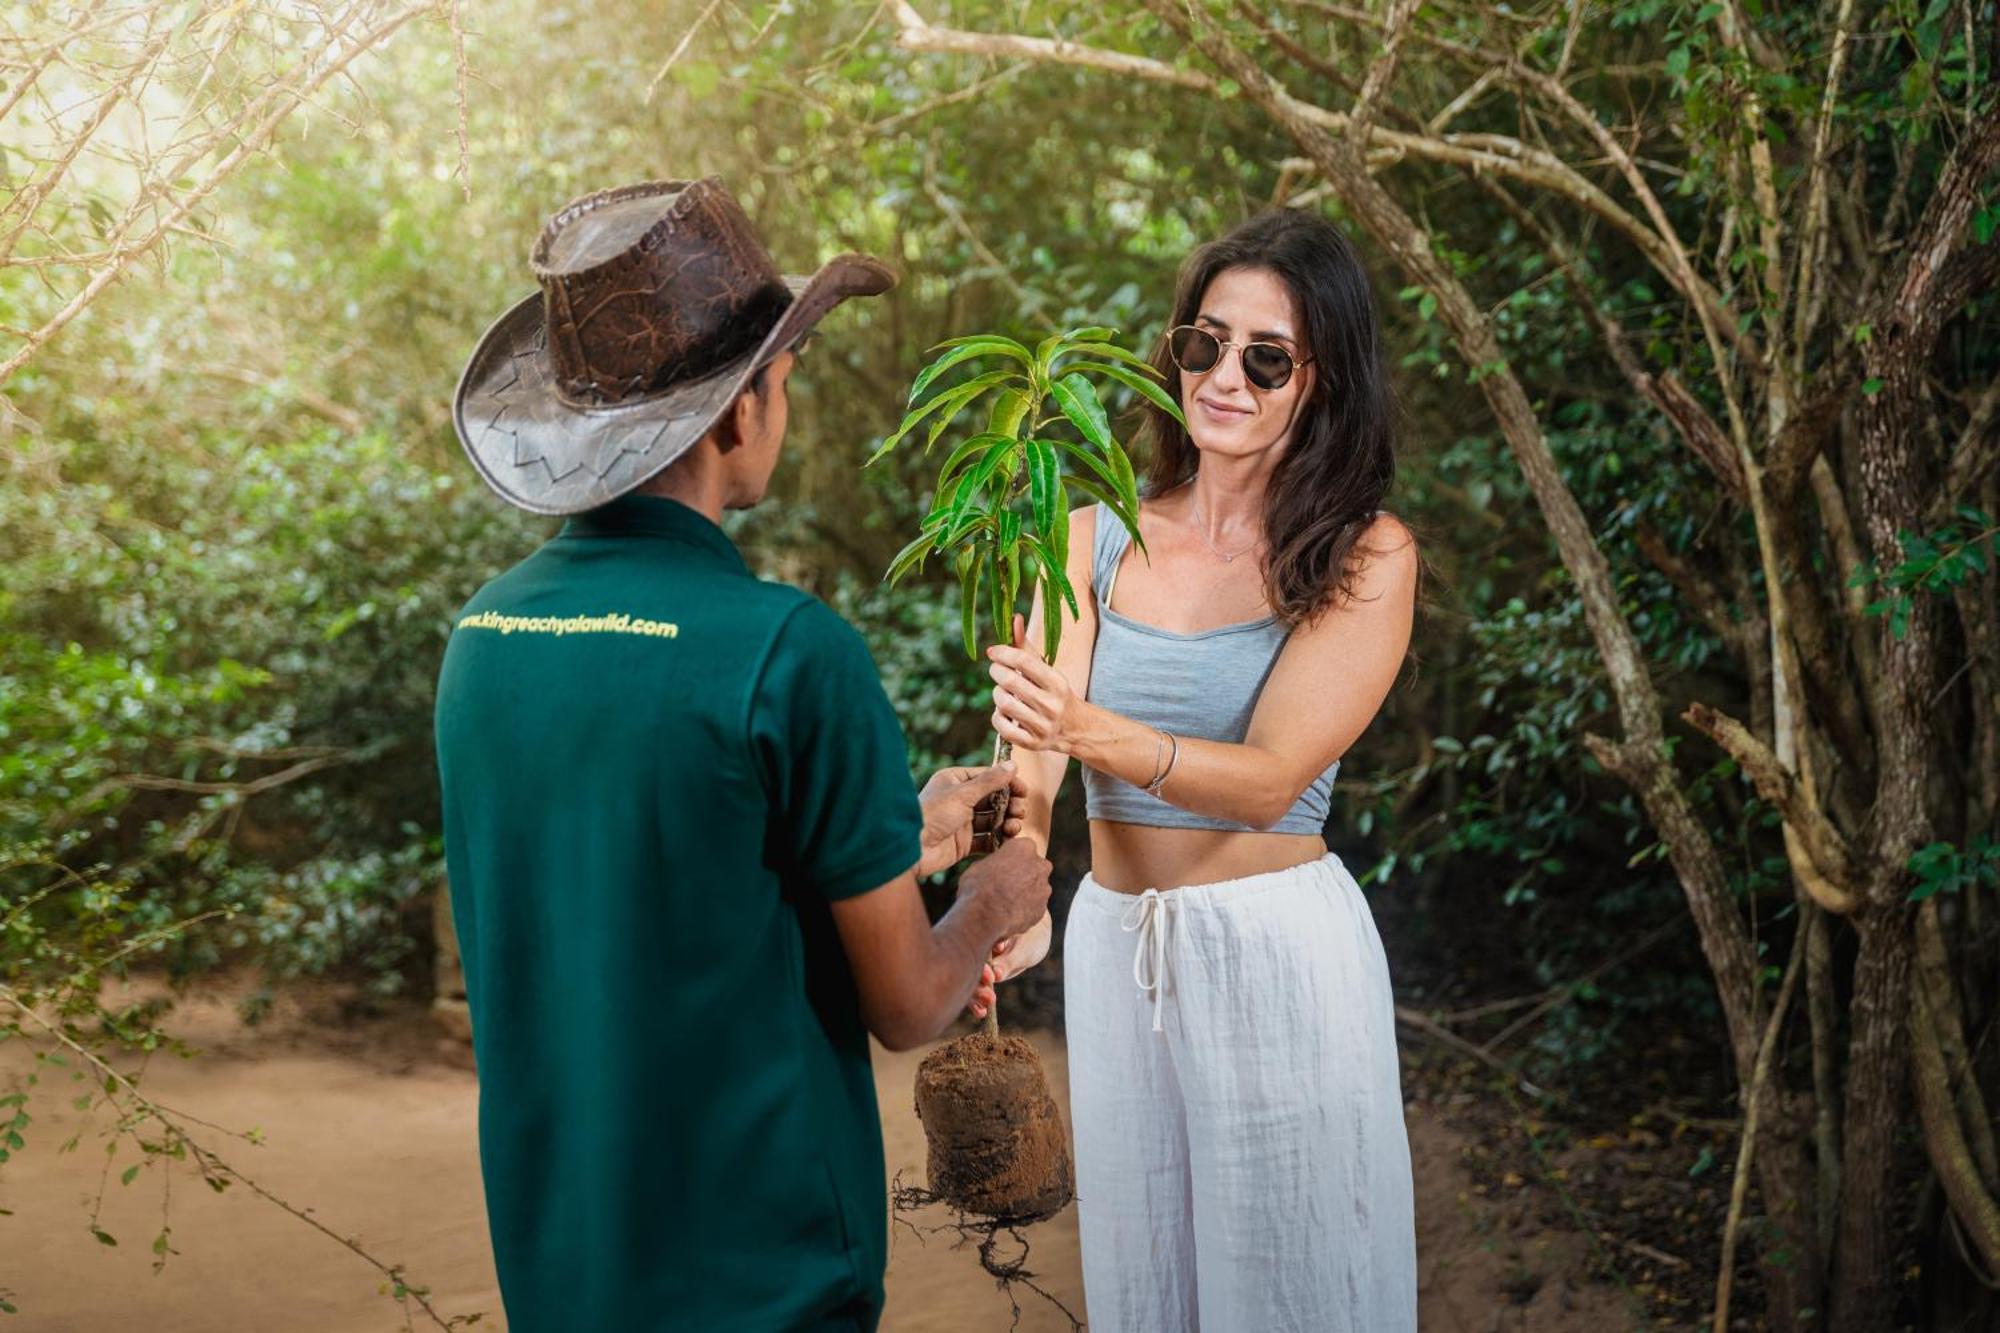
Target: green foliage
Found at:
219, 675
1941, 867
1001, 506
939, 697
1957, 552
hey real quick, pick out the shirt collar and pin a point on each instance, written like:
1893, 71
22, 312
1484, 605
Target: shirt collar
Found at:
654, 516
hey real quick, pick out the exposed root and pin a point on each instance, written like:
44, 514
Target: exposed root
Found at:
987, 1232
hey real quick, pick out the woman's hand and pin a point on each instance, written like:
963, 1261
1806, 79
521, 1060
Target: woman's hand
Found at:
1011, 957
1033, 704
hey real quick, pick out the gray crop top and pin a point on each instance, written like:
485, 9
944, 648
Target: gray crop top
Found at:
1203, 684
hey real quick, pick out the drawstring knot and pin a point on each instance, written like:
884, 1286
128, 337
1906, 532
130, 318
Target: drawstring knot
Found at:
1148, 916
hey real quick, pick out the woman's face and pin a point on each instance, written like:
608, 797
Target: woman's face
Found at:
1226, 413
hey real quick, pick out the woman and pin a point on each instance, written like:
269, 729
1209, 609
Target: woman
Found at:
1241, 1156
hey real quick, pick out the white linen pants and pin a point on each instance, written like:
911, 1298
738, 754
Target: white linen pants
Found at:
1242, 1163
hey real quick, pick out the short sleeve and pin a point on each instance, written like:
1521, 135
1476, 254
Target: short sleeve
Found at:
827, 742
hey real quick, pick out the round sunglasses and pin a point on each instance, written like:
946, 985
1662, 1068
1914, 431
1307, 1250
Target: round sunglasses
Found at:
1197, 351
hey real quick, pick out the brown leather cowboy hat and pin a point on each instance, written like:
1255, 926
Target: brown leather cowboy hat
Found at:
658, 302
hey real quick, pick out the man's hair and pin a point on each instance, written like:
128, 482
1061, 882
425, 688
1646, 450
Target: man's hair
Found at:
760, 385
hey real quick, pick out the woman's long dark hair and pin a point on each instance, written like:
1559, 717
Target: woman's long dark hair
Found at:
1341, 460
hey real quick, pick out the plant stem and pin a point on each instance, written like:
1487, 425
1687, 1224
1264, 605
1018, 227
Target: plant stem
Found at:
1003, 750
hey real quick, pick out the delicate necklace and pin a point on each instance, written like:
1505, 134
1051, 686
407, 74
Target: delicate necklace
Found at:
1202, 528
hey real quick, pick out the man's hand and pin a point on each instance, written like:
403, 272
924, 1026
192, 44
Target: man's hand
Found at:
1012, 886
949, 799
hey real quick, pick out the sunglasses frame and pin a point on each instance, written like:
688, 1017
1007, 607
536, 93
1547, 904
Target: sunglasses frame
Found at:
1222, 349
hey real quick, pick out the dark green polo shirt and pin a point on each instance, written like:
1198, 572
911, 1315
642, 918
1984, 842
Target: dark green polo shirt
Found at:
657, 770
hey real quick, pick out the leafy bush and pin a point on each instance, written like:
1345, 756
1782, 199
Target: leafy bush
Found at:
219, 674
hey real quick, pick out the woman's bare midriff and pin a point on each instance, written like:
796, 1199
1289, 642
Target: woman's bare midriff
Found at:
1131, 858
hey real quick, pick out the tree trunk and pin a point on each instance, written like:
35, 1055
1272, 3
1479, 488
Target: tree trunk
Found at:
1864, 1289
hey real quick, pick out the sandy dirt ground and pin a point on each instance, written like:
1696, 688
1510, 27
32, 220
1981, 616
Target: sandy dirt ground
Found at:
370, 1125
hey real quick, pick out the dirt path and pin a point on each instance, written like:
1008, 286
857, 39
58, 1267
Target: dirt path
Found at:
374, 1131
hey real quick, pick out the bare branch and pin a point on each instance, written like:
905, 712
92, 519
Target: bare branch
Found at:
1382, 69
248, 133
918, 35
679, 50
1812, 244
1753, 1101
1498, 153
1827, 867
1944, 1136
1696, 427
206, 1158
1977, 452
243, 791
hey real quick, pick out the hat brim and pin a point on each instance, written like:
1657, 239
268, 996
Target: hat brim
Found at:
549, 456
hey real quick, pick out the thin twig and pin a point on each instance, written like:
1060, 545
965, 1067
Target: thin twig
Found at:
1752, 1099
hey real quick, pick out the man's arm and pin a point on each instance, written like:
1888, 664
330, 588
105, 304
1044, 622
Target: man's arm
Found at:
914, 977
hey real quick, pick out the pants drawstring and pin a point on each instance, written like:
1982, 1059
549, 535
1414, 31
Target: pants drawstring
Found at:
1148, 916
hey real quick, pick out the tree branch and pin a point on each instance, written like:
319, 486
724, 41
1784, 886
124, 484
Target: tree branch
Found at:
1753, 1101
1498, 153
1977, 452
311, 73
1828, 867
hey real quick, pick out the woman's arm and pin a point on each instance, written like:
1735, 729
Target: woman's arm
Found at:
1300, 725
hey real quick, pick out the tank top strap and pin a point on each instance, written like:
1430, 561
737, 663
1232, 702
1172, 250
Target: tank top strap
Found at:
1107, 547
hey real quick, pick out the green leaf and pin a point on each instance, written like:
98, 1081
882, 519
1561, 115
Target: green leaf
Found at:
1010, 547
970, 522
103, 1237
130, 1174
1077, 397
976, 477
1142, 386
1007, 529
1052, 621
1044, 483
1056, 536
1102, 467
946, 506
1093, 333
968, 588
1113, 352
964, 452
911, 556
1001, 343
1055, 574
996, 590
954, 397
1128, 484
1117, 506
965, 352
1008, 410
958, 396
1046, 352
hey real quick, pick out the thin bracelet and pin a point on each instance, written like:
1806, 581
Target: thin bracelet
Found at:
1158, 746
1154, 786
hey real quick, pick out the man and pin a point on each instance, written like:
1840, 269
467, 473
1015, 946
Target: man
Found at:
681, 836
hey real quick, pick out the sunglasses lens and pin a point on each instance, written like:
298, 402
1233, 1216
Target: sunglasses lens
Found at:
1267, 365
1195, 350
